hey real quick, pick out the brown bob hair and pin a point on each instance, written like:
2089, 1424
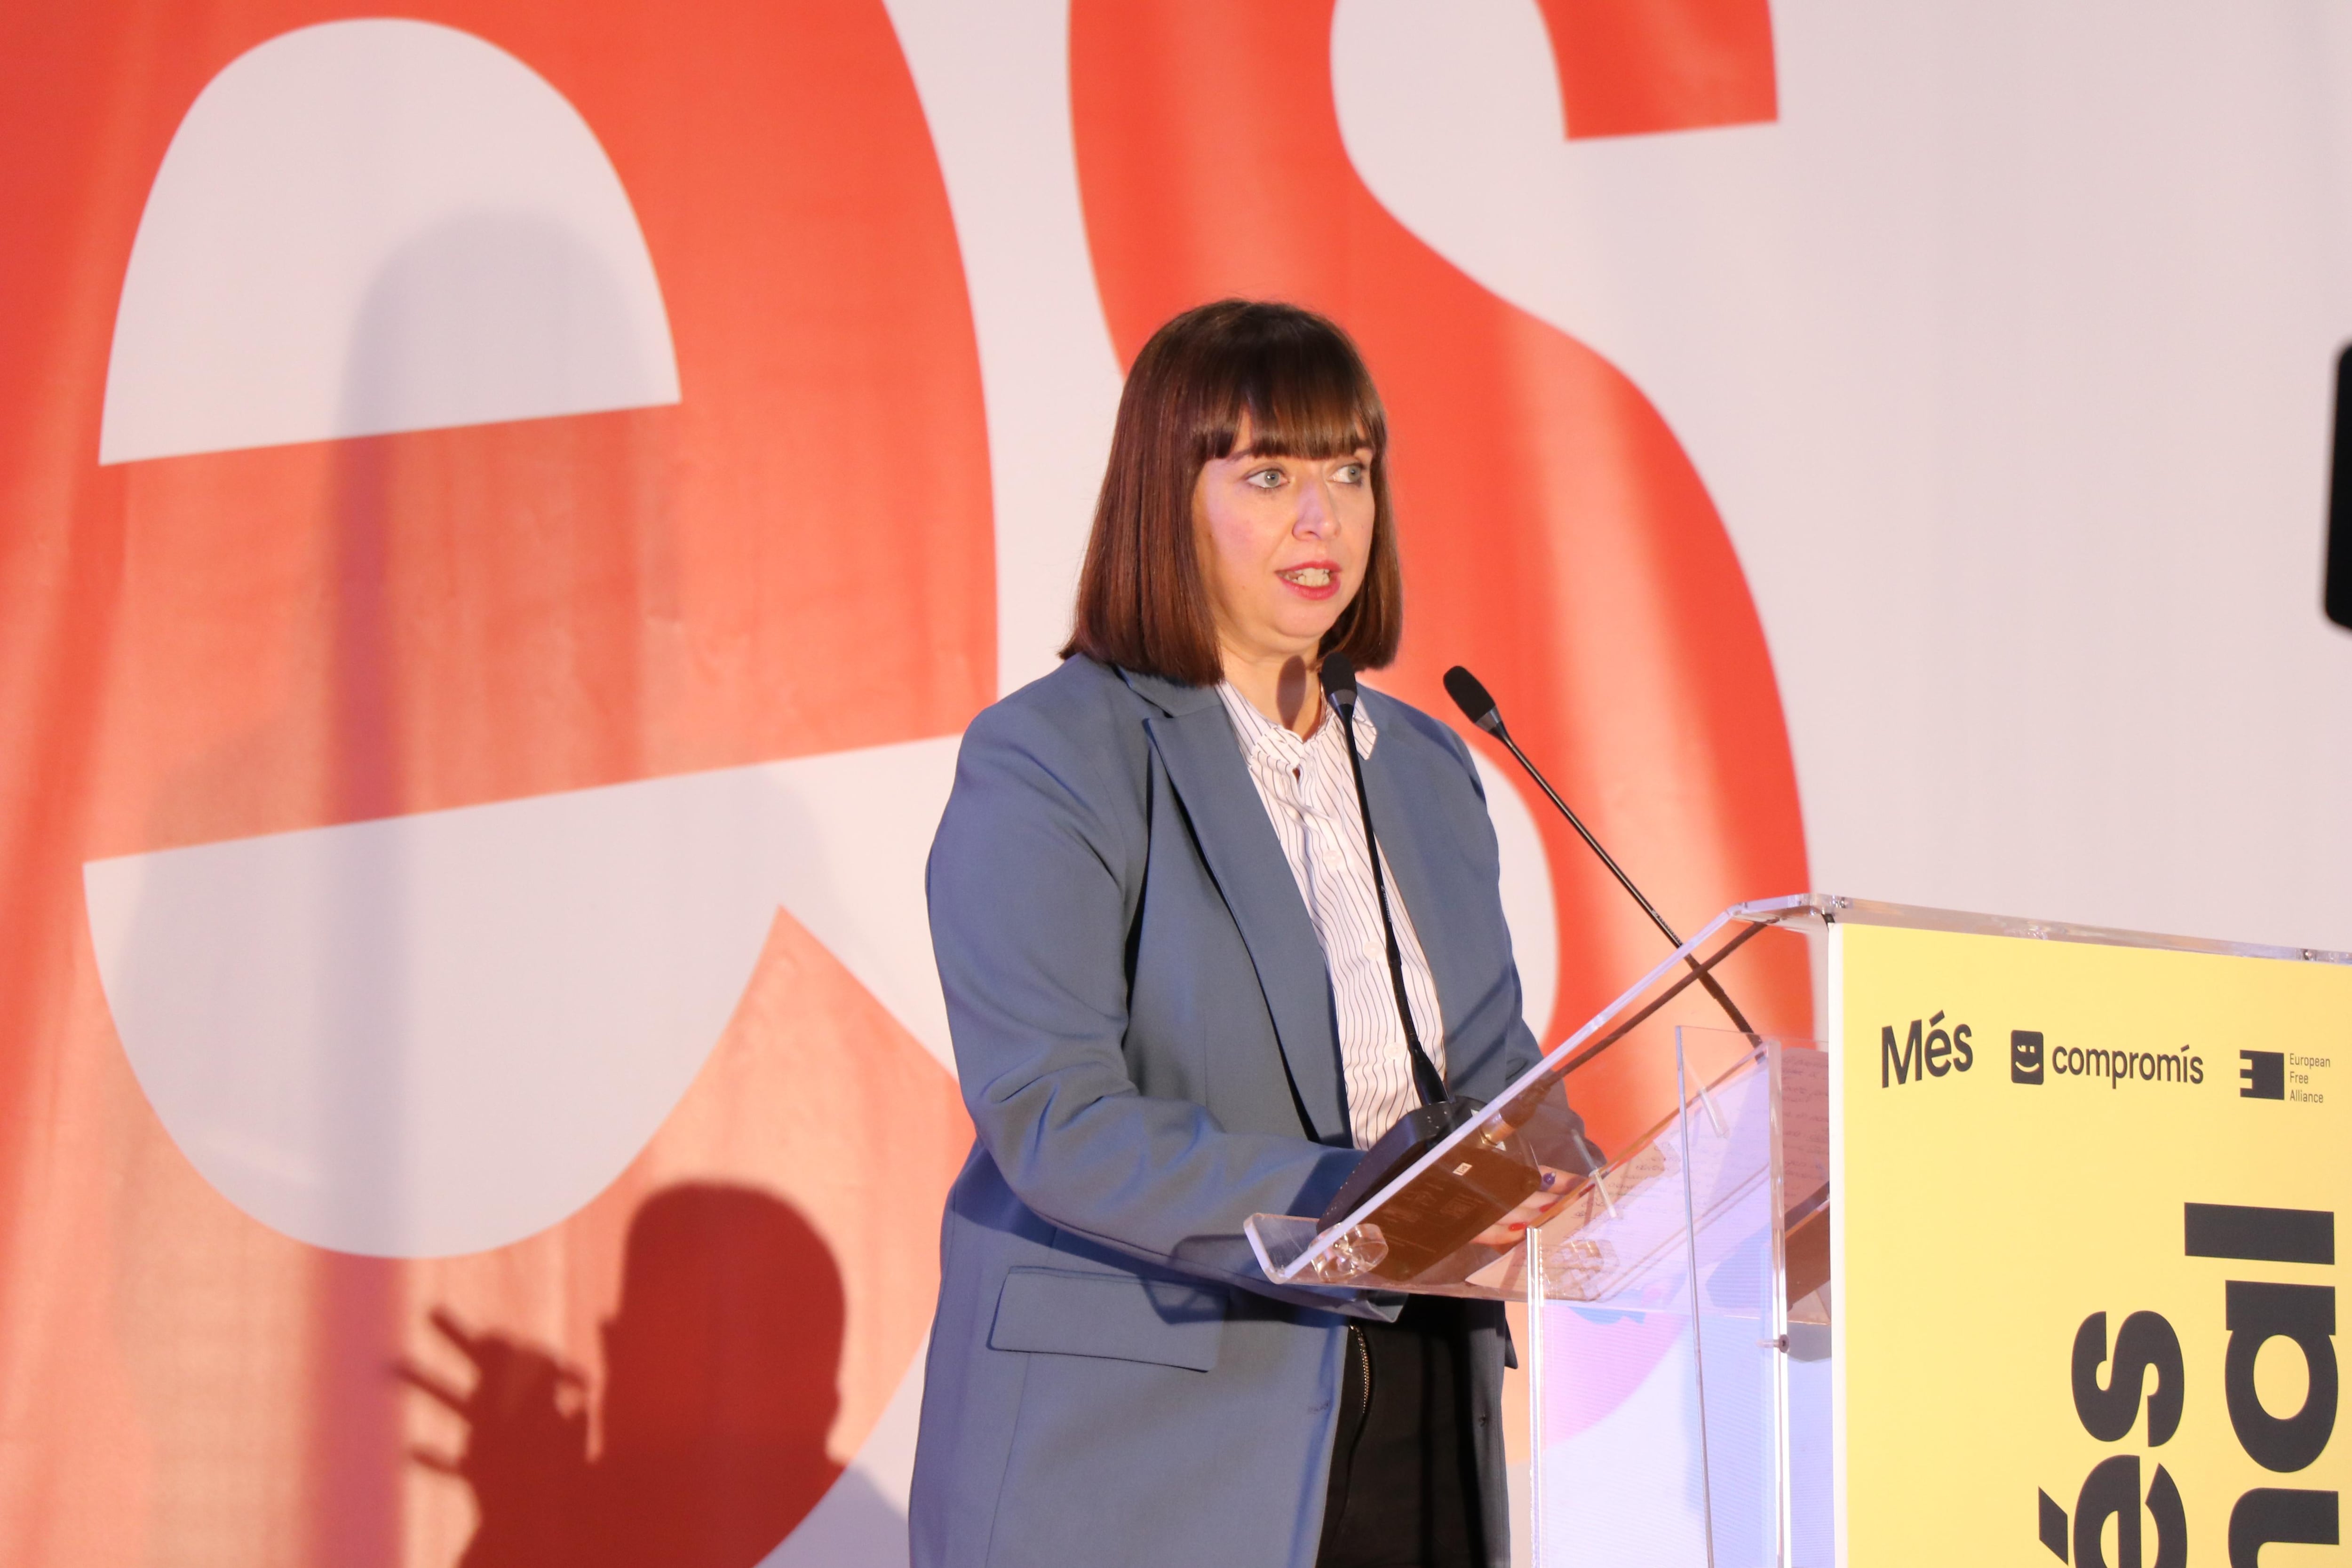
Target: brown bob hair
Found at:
1142, 602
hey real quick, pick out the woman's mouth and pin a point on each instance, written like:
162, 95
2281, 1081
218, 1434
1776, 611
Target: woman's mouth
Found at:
1316, 579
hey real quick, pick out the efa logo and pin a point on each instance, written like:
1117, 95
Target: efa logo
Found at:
2151, 1523
1928, 1050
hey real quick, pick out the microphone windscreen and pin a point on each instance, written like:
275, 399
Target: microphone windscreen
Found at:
1339, 677
1472, 698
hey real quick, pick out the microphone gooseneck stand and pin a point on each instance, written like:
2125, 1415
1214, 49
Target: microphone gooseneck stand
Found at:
1433, 1221
1430, 1221
1480, 709
1338, 679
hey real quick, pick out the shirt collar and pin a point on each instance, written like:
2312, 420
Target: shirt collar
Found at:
1260, 736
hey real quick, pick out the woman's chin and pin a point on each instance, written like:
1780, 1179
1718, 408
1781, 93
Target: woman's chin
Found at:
1304, 644
1303, 621
1281, 630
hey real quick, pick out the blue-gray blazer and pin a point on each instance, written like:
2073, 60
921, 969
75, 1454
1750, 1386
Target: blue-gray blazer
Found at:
1143, 1026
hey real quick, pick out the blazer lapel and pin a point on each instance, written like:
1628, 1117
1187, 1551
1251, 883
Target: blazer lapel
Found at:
1196, 743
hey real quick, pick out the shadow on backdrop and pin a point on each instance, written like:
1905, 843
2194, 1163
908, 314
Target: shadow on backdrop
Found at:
721, 1387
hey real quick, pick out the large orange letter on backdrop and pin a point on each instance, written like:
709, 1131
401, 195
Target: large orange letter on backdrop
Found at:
1555, 539
788, 555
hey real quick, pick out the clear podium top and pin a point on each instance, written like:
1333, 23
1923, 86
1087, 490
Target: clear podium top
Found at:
1595, 1119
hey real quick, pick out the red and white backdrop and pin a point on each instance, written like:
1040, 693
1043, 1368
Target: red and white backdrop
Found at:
506, 509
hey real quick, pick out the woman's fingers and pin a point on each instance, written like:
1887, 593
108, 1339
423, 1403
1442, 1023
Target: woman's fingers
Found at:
1552, 1189
1531, 1210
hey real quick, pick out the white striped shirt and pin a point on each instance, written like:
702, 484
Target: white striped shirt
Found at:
1311, 797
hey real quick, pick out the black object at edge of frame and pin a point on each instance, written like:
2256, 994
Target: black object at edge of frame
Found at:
2259, 1235
2336, 589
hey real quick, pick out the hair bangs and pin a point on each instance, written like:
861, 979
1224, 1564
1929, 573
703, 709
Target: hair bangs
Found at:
1304, 394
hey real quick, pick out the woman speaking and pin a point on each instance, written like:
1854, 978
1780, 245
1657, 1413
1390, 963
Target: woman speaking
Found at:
1175, 1003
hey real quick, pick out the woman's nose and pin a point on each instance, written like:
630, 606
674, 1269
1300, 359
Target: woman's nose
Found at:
1315, 516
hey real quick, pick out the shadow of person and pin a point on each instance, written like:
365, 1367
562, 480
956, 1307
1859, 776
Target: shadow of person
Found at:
720, 1386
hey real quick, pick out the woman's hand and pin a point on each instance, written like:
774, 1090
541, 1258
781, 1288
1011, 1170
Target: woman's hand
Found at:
1533, 1211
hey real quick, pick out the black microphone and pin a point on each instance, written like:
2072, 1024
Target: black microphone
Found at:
1479, 708
1497, 1170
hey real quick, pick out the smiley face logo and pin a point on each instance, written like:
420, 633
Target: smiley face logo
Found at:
2024, 1056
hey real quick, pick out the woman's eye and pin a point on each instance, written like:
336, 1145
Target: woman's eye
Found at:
1350, 474
1265, 478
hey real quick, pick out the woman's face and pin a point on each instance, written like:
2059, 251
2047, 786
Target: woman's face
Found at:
1284, 545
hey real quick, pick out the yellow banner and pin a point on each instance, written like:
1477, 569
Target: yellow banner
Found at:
2087, 1280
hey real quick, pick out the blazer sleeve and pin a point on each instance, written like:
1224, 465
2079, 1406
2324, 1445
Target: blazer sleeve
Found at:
1033, 882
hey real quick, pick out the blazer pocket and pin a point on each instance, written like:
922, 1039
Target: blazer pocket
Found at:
1120, 1317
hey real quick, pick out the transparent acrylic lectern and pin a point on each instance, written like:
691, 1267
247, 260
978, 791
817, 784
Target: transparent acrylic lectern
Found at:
1680, 1301
1697, 1399
1679, 1298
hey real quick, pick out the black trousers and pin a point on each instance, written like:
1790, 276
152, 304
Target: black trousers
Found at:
1404, 1472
